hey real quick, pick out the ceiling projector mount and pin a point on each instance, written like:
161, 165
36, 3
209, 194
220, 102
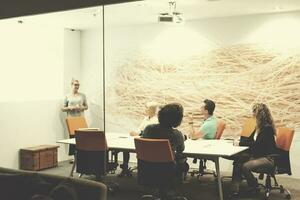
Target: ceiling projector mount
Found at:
172, 16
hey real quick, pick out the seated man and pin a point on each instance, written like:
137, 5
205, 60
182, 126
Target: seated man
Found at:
150, 118
208, 128
170, 117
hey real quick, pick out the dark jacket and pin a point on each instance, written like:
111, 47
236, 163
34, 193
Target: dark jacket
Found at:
264, 144
176, 138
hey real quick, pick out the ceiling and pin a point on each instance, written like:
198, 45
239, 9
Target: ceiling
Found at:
14, 8
141, 12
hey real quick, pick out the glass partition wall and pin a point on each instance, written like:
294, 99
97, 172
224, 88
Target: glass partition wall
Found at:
127, 55
187, 51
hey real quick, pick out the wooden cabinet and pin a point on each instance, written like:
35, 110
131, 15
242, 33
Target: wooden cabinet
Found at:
38, 157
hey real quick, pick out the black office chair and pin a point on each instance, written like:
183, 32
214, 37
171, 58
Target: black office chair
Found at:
284, 137
91, 155
156, 166
202, 162
91, 148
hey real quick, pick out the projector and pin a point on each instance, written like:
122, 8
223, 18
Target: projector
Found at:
170, 18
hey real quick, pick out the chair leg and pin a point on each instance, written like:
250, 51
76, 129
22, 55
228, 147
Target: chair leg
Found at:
287, 193
73, 166
268, 187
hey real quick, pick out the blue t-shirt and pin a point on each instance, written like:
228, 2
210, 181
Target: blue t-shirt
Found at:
209, 128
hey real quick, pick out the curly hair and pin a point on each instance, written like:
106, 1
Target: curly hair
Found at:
170, 115
263, 117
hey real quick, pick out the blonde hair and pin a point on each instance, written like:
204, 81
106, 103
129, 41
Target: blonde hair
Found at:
153, 106
263, 117
74, 80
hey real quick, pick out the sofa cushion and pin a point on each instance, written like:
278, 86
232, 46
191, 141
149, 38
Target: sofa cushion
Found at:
10, 185
35, 184
22, 186
40, 197
64, 191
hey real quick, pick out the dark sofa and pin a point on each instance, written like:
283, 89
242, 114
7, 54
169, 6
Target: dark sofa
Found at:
19, 184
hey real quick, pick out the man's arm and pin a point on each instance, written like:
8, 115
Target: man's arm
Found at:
196, 135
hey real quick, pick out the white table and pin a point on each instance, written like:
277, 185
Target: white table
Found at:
209, 149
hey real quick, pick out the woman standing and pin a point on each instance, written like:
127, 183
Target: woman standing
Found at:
74, 104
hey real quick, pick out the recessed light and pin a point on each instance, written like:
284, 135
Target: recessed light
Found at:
277, 8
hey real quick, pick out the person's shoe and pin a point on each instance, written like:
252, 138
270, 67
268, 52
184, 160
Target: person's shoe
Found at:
233, 196
71, 161
124, 166
125, 172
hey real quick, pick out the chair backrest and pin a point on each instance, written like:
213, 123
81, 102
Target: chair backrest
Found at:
91, 152
155, 162
284, 138
248, 127
154, 150
90, 140
220, 128
74, 123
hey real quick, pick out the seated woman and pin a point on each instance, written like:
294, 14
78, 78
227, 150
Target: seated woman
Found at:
258, 156
151, 109
170, 117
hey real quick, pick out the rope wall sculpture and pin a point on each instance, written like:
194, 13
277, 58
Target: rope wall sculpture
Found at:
234, 77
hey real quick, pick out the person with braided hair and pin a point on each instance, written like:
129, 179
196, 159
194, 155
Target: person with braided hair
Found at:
263, 145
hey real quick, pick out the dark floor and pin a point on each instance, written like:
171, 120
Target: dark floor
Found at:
204, 188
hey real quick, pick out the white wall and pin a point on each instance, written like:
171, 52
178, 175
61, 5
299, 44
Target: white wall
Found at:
71, 57
91, 75
31, 81
37, 65
31, 62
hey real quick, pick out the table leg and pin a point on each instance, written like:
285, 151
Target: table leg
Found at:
73, 166
219, 178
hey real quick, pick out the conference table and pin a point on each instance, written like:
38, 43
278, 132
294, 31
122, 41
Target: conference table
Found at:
206, 149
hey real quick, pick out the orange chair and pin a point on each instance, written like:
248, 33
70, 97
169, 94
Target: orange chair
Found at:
248, 127
91, 156
284, 138
91, 151
220, 129
74, 123
156, 165
202, 165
